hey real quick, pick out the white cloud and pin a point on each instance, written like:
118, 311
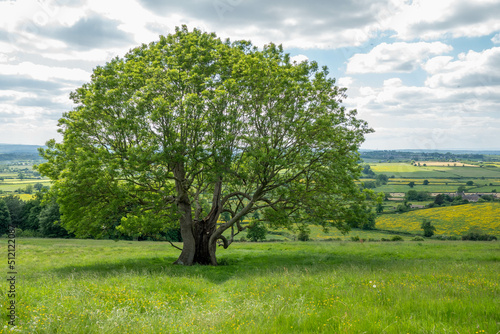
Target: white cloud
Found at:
396, 57
433, 117
394, 82
299, 58
436, 64
345, 81
44, 73
430, 19
474, 69
496, 39
96, 55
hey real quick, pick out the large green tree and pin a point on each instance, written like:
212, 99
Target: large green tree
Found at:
184, 129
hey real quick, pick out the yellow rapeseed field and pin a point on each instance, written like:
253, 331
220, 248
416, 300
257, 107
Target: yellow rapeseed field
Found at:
395, 167
450, 220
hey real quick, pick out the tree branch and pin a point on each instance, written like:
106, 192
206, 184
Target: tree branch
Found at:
174, 245
224, 241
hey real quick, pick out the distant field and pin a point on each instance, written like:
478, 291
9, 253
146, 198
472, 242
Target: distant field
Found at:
13, 185
394, 168
406, 170
487, 189
444, 164
418, 187
472, 172
451, 220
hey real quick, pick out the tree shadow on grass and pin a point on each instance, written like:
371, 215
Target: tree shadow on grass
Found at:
236, 266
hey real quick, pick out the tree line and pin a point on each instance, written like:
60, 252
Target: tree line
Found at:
33, 218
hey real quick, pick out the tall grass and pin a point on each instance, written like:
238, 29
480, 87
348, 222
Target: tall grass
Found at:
87, 286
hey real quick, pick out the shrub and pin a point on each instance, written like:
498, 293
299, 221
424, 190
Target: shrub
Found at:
369, 184
397, 238
28, 233
428, 228
478, 237
257, 232
304, 231
476, 234
173, 235
418, 239
355, 238
303, 236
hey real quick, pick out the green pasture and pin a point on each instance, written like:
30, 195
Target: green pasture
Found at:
95, 286
486, 189
472, 172
396, 188
318, 234
405, 170
11, 185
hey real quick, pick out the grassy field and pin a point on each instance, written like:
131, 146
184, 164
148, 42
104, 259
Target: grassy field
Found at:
406, 170
317, 234
450, 220
90, 286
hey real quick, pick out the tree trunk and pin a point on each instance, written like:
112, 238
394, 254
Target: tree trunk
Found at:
205, 250
198, 248
205, 228
188, 241
186, 219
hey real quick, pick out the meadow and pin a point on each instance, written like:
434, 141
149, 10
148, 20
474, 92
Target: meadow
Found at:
98, 286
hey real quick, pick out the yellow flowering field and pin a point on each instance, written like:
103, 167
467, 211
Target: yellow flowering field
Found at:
23, 197
450, 220
394, 167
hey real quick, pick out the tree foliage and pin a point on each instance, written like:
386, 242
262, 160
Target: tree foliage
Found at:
257, 232
15, 206
5, 219
186, 128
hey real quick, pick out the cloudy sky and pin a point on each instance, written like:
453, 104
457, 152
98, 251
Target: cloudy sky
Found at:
425, 74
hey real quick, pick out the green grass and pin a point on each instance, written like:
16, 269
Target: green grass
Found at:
88, 286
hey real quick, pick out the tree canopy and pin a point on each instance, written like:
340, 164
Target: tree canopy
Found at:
184, 129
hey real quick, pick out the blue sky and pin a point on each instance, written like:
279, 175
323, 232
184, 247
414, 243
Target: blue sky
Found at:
424, 74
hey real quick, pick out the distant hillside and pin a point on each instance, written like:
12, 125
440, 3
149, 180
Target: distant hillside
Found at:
10, 152
448, 220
